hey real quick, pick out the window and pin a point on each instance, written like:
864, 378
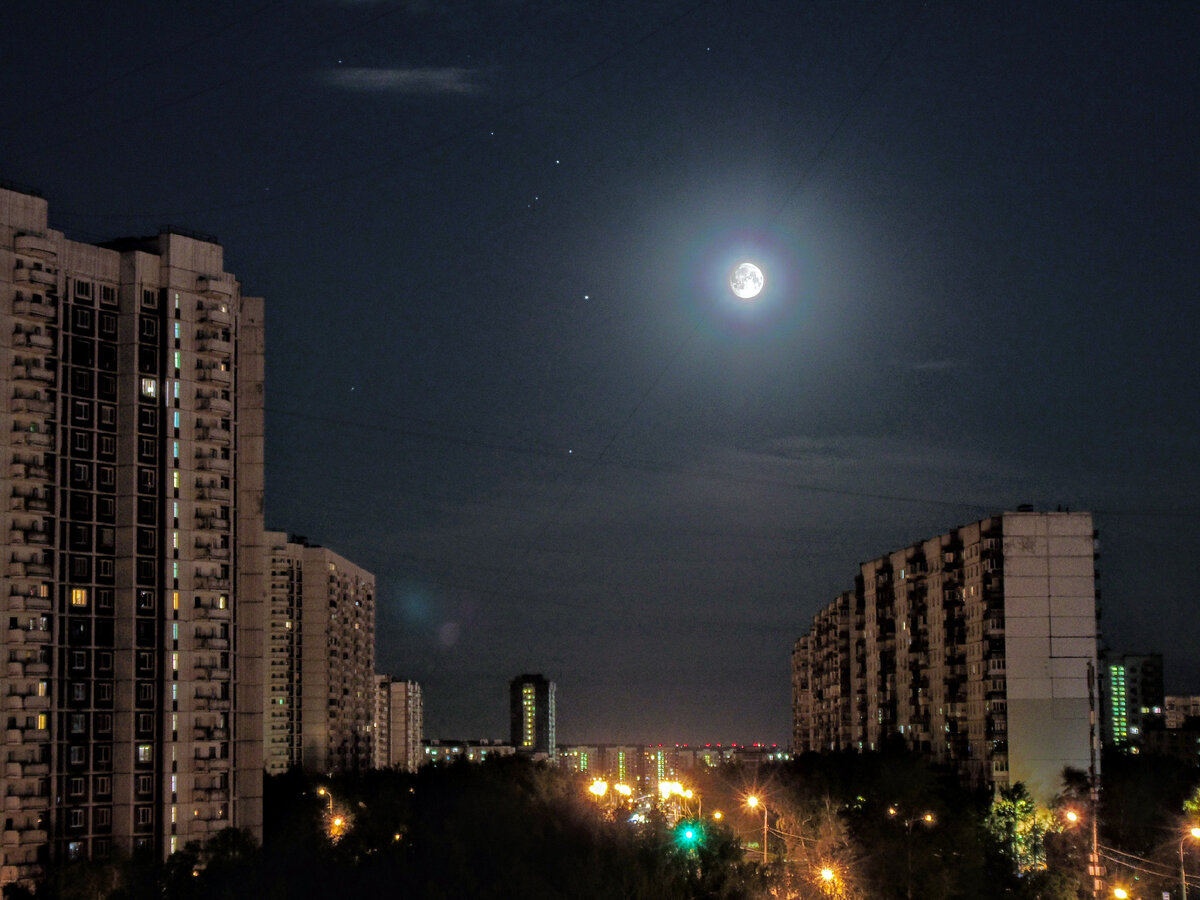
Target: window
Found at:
145, 753
145, 692
77, 723
107, 415
75, 786
149, 299
145, 600
144, 815
148, 327
78, 660
79, 691
79, 596
78, 755
145, 723
75, 818
106, 477
102, 785
108, 447
103, 723
102, 817
150, 387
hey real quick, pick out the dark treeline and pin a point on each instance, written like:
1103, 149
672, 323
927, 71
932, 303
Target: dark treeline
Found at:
879, 825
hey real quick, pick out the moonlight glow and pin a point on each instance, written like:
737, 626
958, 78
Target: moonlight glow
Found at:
746, 282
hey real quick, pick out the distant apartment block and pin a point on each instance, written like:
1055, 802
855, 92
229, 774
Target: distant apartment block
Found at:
399, 722
1179, 708
320, 692
531, 716
972, 647
434, 752
1131, 686
131, 409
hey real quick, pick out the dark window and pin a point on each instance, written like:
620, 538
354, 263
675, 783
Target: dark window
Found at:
150, 299
107, 417
148, 360
106, 478
147, 511
106, 508
148, 327
108, 295
147, 480
106, 358
81, 537
147, 452
108, 325
81, 568
81, 444
107, 387
81, 320
83, 351
145, 600
81, 475
146, 570
80, 505
82, 383
147, 419
107, 447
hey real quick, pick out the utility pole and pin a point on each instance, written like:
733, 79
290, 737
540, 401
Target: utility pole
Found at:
1094, 867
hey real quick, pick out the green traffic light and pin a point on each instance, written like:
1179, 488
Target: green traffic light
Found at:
689, 834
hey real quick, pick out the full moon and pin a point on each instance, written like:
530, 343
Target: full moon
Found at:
746, 282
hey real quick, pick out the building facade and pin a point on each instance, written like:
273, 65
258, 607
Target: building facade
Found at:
1179, 708
399, 723
531, 716
973, 647
1134, 701
131, 400
320, 692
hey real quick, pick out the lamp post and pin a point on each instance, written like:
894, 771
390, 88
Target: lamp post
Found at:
753, 802
325, 793
1193, 833
927, 818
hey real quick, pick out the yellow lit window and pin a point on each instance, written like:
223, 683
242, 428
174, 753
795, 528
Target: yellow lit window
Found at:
79, 597
175, 599
42, 721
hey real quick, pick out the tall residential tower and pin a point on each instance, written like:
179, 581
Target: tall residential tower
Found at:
131, 409
972, 647
531, 716
320, 694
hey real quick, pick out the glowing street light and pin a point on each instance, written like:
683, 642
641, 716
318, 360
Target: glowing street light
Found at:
599, 787
753, 802
1191, 833
1120, 893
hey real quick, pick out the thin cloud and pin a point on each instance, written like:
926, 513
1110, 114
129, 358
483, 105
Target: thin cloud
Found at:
936, 365
447, 80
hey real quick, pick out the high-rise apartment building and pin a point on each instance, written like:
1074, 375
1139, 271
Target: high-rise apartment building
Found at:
399, 722
131, 404
1131, 685
974, 647
320, 690
531, 716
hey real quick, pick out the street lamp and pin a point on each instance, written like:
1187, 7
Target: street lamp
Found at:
927, 818
753, 802
1192, 833
325, 793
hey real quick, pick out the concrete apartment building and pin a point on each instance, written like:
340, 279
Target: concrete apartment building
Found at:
1133, 699
973, 647
320, 688
399, 723
131, 404
531, 716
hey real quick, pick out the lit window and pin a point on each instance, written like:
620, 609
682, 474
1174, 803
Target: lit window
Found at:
175, 483
145, 753
149, 387
79, 596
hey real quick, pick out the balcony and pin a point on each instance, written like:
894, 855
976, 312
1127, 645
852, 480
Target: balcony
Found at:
212, 464
214, 404
214, 345
213, 435
212, 492
34, 277
21, 471
214, 286
35, 308
214, 314
214, 374
39, 246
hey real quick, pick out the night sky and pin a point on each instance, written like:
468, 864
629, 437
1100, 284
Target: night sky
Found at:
506, 374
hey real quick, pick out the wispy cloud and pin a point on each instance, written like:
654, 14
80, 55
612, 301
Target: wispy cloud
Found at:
936, 365
426, 81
